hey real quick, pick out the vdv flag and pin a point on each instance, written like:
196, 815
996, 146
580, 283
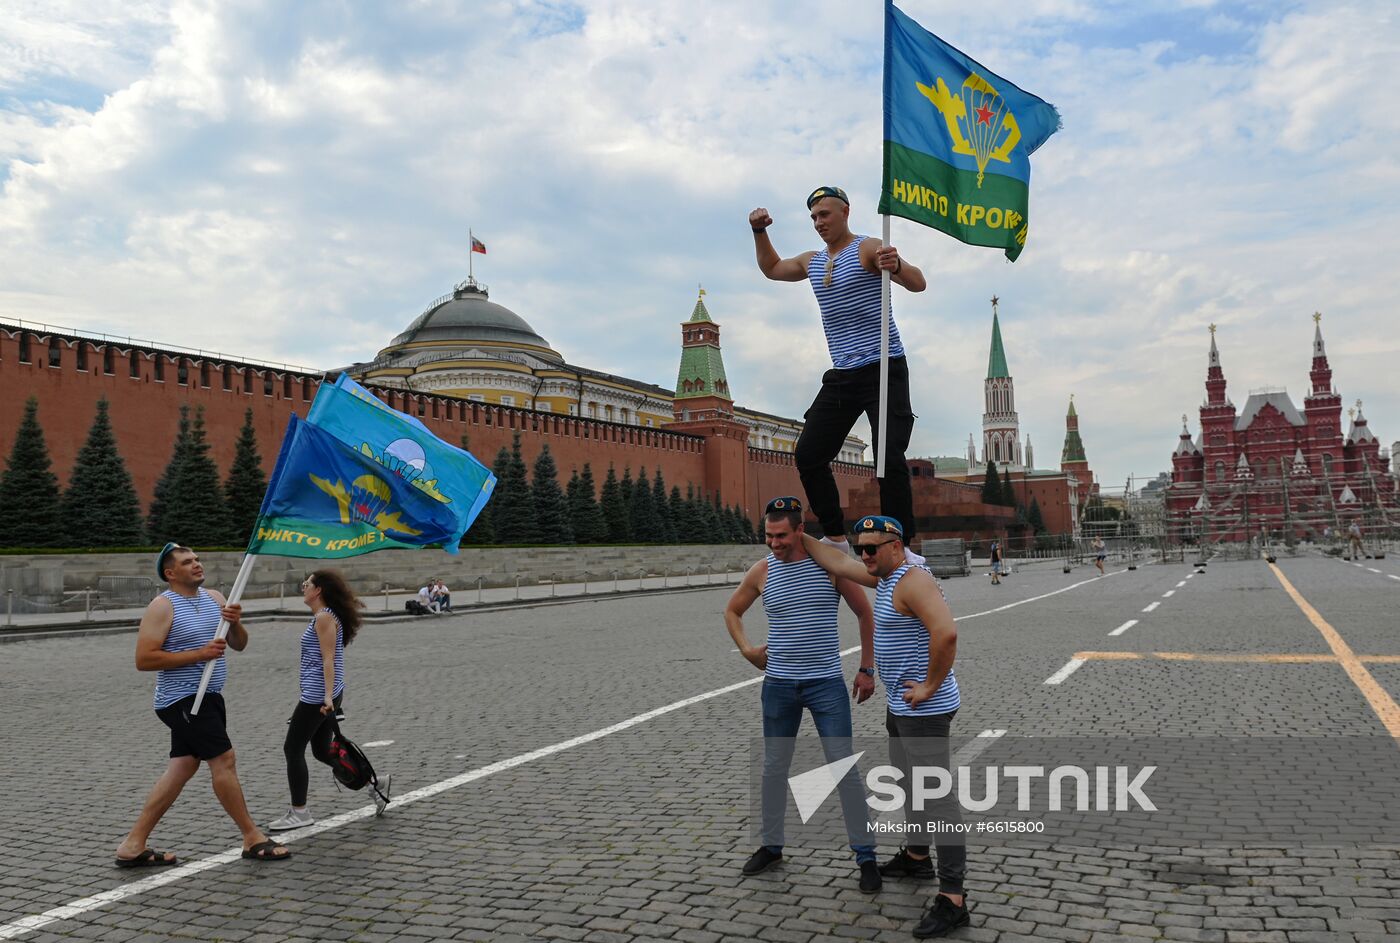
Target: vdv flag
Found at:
405, 447
958, 140
326, 499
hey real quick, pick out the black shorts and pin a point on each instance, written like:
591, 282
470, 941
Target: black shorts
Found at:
201, 735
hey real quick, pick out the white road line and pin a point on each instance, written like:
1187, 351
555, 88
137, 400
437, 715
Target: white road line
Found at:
1169, 594
1124, 627
1151, 606
1393, 576
1070, 668
1182, 583
1373, 569
77, 908
969, 751
378, 743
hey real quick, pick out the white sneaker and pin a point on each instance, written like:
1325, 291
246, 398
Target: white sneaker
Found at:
293, 819
380, 789
913, 558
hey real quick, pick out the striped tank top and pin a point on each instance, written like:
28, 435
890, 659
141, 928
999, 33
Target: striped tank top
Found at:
850, 308
901, 654
193, 626
801, 604
313, 675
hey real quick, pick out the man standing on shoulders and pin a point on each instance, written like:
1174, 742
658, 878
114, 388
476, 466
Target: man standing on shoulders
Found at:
801, 665
845, 276
176, 638
916, 641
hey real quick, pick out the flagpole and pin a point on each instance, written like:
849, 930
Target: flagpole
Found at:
884, 358
239, 583
471, 251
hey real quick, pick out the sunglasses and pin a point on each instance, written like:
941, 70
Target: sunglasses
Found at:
869, 550
307, 583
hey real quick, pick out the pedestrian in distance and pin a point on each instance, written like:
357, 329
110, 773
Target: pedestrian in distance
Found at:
425, 597
1100, 554
996, 562
1355, 548
845, 277
801, 665
334, 623
175, 640
442, 596
916, 642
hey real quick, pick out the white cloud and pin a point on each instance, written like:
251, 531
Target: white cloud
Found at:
295, 183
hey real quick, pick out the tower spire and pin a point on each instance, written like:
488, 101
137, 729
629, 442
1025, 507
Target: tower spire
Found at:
996, 359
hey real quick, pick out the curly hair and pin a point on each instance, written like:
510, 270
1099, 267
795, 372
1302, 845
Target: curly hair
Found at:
340, 599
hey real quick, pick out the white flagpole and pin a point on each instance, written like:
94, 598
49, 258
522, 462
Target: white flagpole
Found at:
239, 582
884, 359
471, 251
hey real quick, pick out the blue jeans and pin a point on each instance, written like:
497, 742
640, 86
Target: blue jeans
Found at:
826, 698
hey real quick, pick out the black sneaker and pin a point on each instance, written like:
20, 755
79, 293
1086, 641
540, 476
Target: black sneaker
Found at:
761, 861
942, 918
870, 880
903, 866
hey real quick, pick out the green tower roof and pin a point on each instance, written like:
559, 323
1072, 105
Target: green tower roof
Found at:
701, 313
996, 362
702, 365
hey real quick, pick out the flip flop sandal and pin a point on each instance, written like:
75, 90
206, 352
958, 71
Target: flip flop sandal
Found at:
265, 851
147, 859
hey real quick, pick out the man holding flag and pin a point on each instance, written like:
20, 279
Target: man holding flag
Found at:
846, 279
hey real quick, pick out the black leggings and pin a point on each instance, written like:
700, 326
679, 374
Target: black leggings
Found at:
308, 725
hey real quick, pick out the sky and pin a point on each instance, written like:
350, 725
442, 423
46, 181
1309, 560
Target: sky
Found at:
295, 182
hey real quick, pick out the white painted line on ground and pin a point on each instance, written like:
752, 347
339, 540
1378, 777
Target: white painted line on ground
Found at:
1151, 606
969, 751
1182, 583
1169, 594
379, 743
77, 908
1373, 569
1393, 576
1070, 668
1124, 627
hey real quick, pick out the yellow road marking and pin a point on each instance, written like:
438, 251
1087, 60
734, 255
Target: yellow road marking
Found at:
1381, 702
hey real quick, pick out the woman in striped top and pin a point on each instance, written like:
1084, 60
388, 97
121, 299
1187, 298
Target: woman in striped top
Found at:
335, 621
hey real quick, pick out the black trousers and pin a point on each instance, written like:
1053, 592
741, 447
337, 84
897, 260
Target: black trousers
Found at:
846, 395
308, 725
923, 741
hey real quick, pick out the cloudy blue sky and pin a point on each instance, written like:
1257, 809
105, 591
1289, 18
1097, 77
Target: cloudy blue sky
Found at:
293, 182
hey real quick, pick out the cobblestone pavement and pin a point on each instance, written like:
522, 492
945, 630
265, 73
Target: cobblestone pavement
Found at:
639, 834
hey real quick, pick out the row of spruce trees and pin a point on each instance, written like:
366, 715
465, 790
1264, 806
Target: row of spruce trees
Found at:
191, 504
626, 510
100, 508
1001, 491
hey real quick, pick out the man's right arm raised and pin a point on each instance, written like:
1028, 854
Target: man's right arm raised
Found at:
770, 263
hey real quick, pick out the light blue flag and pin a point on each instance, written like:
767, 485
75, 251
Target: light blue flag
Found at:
403, 445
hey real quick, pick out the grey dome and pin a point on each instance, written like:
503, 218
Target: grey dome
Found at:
468, 314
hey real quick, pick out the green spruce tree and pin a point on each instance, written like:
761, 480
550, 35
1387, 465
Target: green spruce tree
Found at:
100, 507
615, 509
514, 511
551, 510
584, 513
1008, 491
157, 526
646, 522
1035, 518
246, 483
677, 514
991, 485
667, 532
196, 512
627, 489
29, 501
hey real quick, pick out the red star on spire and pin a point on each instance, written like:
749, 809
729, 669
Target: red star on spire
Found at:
984, 115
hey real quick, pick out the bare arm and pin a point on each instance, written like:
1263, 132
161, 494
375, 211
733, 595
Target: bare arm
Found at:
770, 263
744, 596
155, 626
233, 612
325, 636
874, 258
863, 686
917, 595
837, 562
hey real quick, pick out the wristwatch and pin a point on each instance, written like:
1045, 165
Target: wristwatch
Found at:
867, 671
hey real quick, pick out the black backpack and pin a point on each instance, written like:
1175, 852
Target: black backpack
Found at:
352, 769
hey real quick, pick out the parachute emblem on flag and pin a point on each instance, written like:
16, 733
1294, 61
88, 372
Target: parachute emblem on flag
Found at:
979, 123
367, 500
